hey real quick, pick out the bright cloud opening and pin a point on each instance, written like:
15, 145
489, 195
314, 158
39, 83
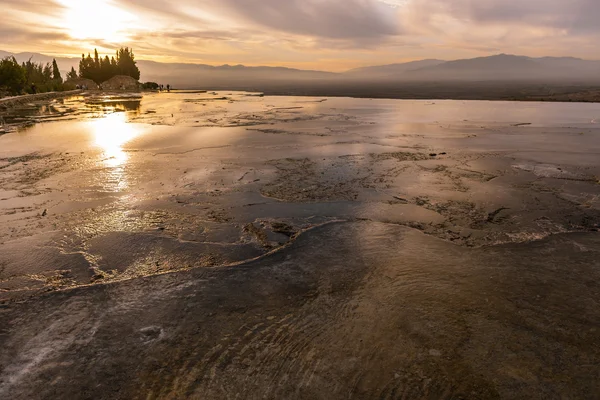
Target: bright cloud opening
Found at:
96, 19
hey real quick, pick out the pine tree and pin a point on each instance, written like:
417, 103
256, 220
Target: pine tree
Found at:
87, 68
96, 59
72, 74
82, 67
126, 63
105, 69
56, 72
12, 75
102, 69
91, 67
47, 73
40, 76
114, 68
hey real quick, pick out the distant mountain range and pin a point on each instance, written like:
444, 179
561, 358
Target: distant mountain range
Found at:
394, 69
494, 68
509, 67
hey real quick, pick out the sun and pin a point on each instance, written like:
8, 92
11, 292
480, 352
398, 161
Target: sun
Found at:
96, 19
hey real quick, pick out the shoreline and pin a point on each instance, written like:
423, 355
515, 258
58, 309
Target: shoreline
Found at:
16, 112
444, 93
484, 91
10, 102
531, 100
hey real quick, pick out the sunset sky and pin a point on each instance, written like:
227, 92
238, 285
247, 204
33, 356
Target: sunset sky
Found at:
320, 34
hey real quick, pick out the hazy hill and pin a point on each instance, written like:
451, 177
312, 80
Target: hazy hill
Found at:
510, 67
392, 69
201, 75
193, 75
500, 67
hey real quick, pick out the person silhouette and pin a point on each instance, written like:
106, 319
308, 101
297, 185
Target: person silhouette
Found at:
168, 88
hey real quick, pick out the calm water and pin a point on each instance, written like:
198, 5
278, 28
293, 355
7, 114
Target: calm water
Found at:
285, 247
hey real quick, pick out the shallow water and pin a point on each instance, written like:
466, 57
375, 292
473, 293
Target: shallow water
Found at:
462, 232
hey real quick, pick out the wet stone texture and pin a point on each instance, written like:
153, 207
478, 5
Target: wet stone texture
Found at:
228, 245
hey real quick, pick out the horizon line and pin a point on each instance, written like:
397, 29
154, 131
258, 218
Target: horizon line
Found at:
250, 65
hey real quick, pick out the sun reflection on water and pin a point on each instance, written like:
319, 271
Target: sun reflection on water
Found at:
110, 134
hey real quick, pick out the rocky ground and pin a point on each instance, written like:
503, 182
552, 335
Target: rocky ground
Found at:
230, 245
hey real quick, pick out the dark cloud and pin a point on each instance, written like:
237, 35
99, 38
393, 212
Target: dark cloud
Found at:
337, 19
15, 13
575, 16
222, 35
331, 31
24, 35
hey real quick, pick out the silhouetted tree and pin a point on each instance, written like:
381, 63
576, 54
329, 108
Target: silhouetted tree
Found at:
72, 74
83, 67
96, 59
107, 70
151, 85
47, 73
12, 76
40, 76
56, 72
31, 76
102, 69
87, 68
127, 64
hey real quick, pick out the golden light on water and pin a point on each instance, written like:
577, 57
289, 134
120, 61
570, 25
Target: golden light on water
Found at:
111, 133
96, 19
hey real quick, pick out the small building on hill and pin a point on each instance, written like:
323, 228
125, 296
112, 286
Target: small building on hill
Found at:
80, 83
121, 82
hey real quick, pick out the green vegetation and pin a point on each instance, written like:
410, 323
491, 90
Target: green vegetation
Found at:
42, 78
72, 74
12, 76
150, 86
32, 77
102, 69
56, 71
29, 77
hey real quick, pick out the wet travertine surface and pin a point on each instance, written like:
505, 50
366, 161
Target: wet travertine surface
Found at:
229, 245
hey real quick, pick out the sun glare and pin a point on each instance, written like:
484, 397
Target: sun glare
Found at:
110, 134
96, 19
